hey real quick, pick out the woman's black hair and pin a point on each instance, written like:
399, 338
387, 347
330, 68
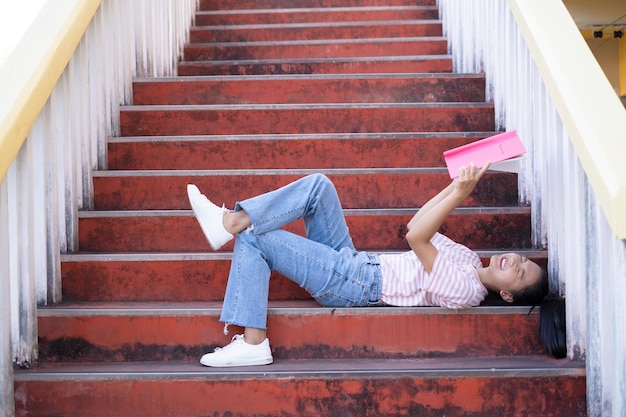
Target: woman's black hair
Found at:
552, 326
532, 295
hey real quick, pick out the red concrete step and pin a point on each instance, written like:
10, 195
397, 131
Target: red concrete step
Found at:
174, 277
282, 4
365, 88
324, 15
156, 277
178, 231
343, 48
372, 65
305, 118
103, 332
310, 31
357, 188
489, 387
374, 150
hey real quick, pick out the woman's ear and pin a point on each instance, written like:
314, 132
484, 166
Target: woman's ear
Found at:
506, 296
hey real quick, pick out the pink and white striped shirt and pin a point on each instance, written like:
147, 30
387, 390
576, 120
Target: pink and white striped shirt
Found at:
452, 283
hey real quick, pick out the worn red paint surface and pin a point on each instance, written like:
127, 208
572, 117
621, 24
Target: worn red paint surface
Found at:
356, 189
376, 65
166, 233
379, 397
293, 152
183, 280
309, 333
274, 15
303, 119
278, 4
145, 279
346, 30
315, 49
311, 89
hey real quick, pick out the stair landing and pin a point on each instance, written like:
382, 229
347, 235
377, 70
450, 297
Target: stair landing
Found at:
325, 387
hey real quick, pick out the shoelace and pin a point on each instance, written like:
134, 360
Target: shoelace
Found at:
236, 340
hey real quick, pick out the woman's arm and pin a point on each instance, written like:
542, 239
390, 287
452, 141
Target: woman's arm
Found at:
423, 226
430, 204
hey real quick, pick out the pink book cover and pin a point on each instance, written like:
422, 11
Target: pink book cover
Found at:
496, 148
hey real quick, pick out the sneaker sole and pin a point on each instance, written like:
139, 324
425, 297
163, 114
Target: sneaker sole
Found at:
250, 362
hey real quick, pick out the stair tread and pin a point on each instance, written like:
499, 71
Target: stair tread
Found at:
359, 188
408, 39
318, 24
323, 48
315, 42
169, 308
304, 106
318, 59
385, 88
171, 120
93, 214
264, 171
203, 256
409, 64
314, 368
283, 77
313, 151
318, 30
294, 137
312, 10
208, 5
260, 4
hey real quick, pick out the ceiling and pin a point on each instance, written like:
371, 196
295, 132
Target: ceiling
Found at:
589, 14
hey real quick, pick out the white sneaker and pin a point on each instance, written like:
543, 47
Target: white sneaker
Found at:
239, 353
210, 218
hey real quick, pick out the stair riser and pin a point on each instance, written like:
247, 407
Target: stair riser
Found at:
325, 15
322, 153
311, 90
297, 50
307, 32
334, 397
398, 66
176, 281
363, 190
327, 334
287, 4
384, 232
227, 120
159, 281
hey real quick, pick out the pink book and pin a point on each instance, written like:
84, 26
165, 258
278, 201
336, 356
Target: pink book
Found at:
496, 148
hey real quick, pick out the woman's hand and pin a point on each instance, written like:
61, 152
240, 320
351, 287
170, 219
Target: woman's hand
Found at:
425, 224
468, 177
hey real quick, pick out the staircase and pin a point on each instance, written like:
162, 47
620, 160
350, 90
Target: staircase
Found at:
269, 91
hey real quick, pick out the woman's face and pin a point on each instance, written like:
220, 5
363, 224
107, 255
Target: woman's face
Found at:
512, 272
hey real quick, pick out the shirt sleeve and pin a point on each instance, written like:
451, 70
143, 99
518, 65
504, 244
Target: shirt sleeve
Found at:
454, 285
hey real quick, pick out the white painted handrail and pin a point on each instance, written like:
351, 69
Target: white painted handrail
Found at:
546, 84
62, 88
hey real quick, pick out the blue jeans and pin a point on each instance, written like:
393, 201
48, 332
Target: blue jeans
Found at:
324, 263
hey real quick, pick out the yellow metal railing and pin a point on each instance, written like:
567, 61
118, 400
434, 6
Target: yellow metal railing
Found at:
588, 35
33, 68
591, 112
